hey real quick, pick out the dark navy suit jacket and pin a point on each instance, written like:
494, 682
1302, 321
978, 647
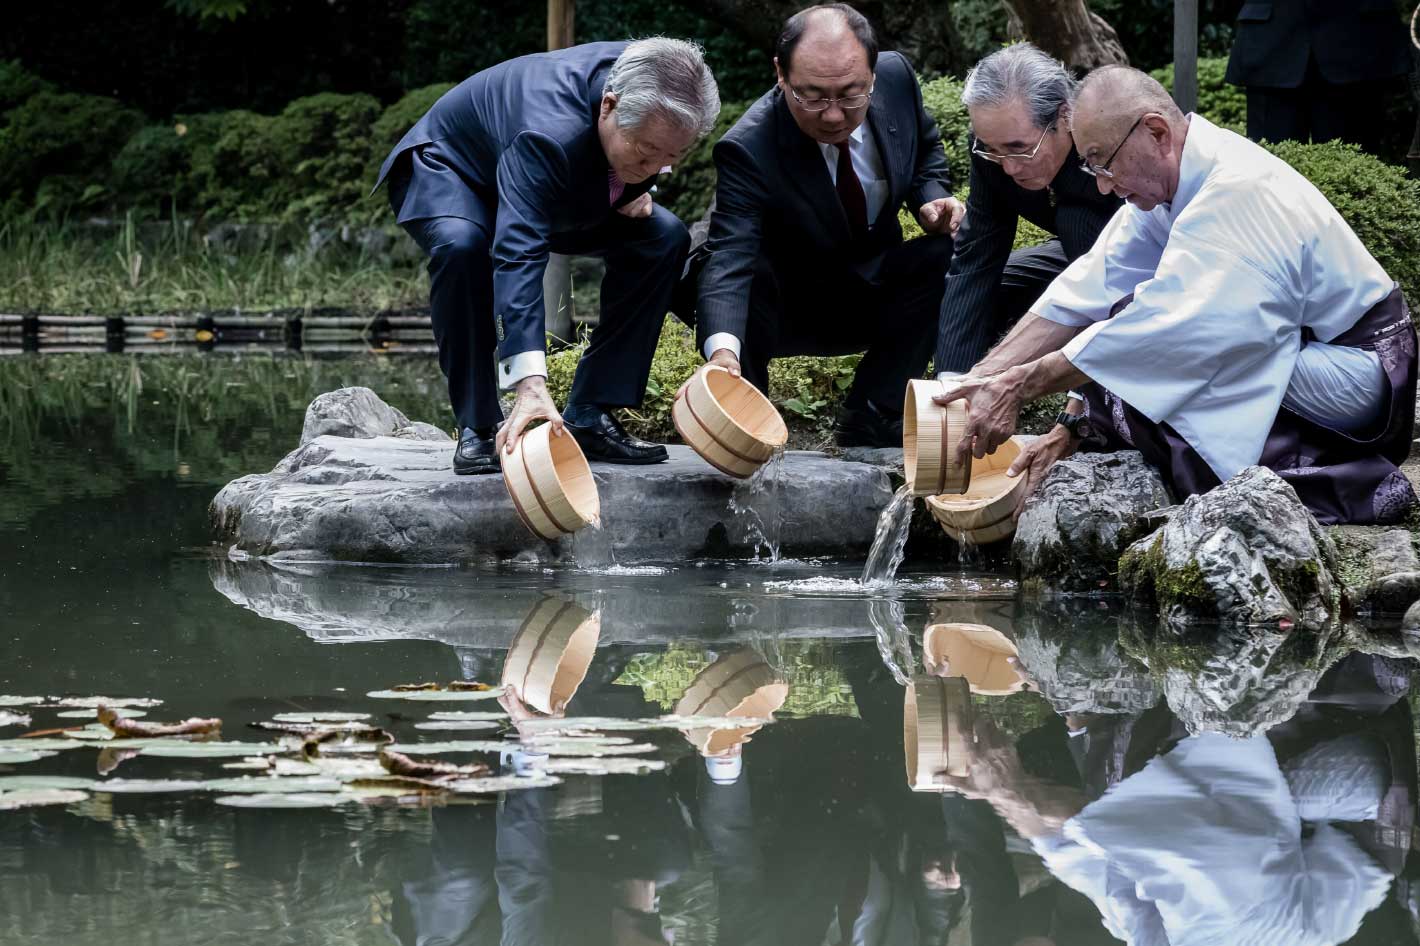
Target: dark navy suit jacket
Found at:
774, 198
1350, 41
515, 149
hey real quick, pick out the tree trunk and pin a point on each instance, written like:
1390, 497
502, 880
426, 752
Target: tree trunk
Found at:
1068, 30
921, 29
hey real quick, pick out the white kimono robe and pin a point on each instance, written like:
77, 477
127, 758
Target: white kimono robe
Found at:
1224, 279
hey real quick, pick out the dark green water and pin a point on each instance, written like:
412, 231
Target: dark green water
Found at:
110, 584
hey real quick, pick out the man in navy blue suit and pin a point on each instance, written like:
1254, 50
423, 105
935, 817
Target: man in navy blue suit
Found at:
551, 153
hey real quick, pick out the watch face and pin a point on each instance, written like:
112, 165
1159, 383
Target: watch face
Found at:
1083, 428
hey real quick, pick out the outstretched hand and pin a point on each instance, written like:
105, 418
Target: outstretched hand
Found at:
1036, 459
943, 215
720, 358
533, 403
993, 408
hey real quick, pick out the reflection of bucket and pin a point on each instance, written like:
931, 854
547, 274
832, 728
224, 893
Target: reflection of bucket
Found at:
976, 652
550, 654
738, 684
550, 483
929, 441
936, 731
728, 422
984, 512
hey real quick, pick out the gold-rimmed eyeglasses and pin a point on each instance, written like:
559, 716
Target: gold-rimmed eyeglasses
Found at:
1102, 170
995, 158
845, 102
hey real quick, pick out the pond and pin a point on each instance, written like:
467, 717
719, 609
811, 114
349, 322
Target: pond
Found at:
1249, 787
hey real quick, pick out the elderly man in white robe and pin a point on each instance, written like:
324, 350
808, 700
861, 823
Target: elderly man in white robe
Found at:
1227, 316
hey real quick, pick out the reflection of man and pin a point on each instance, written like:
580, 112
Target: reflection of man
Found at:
554, 152
805, 255
1023, 166
1228, 298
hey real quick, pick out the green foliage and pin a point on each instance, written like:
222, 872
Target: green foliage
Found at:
18, 84
401, 116
1222, 104
942, 99
56, 147
1377, 199
688, 190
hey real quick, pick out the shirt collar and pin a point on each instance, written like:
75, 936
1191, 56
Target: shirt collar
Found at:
857, 136
1193, 164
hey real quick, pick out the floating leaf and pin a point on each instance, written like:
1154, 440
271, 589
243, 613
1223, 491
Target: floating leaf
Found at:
273, 785
141, 786
319, 717
394, 785
615, 724
502, 783
344, 769
20, 700
458, 745
257, 763
24, 783
38, 745
466, 725
122, 711
286, 800
602, 766
129, 728
402, 765
311, 729
199, 750
456, 715
434, 696
94, 702
40, 796
13, 719
16, 756
587, 749
343, 742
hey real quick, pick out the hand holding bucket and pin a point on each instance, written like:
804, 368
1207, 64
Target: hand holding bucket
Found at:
726, 420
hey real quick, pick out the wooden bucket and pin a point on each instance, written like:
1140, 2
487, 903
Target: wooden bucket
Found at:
983, 513
738, 684
976, 652
551, 652
936, 731
930, 435
728, 422
551, 484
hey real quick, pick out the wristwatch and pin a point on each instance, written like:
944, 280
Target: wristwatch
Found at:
1077, 424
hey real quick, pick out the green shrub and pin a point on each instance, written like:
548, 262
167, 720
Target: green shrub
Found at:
688, 190
942, 99
1377, 199
400, 117
67, 137
1222, 104
17, 84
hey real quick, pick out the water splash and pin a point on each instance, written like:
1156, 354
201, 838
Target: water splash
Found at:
893, 640
592, 547
968, 552
889, 540
755, 505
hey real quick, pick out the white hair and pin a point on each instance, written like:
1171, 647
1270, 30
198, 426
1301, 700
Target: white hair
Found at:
1020, 73
666, 78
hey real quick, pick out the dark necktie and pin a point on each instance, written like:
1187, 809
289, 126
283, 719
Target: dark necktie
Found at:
850, 191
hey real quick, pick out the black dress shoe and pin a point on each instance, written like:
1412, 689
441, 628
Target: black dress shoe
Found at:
475, 454
602, 438
867, 426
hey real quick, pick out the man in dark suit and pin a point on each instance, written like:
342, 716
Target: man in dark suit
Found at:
805, 255
1023, 165
551, 153
1318, 69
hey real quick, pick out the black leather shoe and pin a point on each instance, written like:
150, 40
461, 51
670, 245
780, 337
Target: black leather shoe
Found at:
867, 426
475, 454
602, 438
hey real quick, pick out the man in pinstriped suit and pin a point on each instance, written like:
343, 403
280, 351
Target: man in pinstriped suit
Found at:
1023, 165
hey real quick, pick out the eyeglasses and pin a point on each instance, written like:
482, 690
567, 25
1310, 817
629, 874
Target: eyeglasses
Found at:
1102, 170
846, 102
995, 158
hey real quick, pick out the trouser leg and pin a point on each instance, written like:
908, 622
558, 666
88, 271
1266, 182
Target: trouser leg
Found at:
461, 303
1028, 271
644, 259
1277, 114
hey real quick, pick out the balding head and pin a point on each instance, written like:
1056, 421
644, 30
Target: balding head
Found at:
825, 59
1127, 127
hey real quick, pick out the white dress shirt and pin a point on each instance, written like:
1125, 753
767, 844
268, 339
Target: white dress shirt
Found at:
1224, 279
868, 165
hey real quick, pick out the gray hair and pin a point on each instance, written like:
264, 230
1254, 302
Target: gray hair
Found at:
667, 78
1020, 73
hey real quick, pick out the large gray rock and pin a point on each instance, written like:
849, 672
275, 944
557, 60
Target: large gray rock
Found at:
385, 499
1087, 511
1247, 551
1071, 652
1379, 567
351, 412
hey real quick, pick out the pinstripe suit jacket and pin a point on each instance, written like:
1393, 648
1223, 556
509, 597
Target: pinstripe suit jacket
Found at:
1072, 208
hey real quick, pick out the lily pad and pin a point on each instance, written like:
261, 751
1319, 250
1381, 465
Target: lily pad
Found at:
458, 745
122, 712
16, 756
174, 749
112, 702
286, 800
435, 696
310, 729
620, 766
26, 783
466, 725
20, 700
42, 744
502, 783
273, 785
34, 798
577, 747
256, 763
456, 715
319, 717
13, 719
143, 786
395, 785
343, 769
616, 724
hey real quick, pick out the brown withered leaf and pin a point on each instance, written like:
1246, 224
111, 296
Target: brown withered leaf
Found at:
397, 763
143, 729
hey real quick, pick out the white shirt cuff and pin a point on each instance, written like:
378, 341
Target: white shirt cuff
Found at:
722, 340
948, 376
524, 364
